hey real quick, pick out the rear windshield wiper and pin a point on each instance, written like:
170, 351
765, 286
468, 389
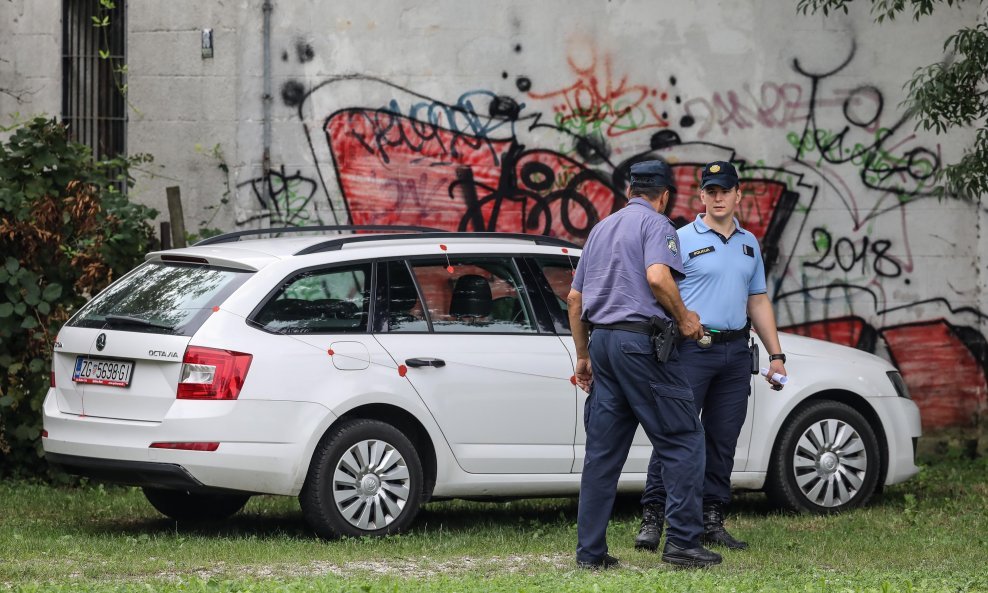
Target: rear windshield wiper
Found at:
127, 319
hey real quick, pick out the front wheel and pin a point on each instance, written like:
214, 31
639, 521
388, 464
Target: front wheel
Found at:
826, 460
365, 479
195, 506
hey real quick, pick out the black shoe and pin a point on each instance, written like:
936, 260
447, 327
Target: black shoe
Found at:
714, 532
604, 563
653, 516
698, 557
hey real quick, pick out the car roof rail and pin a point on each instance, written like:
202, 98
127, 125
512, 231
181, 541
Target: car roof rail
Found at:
236, 235
337, 243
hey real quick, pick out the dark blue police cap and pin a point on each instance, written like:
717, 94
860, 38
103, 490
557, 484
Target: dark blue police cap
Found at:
651, 174
719, 173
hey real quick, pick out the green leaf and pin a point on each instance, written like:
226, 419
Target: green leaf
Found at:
12, 264
52, 292
44, 308
36, 365
6, 400
29, 323
104, 54
6, 309
20, 308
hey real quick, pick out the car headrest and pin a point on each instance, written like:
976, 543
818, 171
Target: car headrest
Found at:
471, 296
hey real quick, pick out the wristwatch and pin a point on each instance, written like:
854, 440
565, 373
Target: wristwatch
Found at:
781, 357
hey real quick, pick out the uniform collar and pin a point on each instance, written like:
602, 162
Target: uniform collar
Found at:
701, 227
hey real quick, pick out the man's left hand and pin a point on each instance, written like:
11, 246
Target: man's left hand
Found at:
776, 366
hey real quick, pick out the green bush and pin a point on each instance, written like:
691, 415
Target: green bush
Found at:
66, 231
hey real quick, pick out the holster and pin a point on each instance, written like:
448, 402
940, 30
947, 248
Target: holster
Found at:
665, 334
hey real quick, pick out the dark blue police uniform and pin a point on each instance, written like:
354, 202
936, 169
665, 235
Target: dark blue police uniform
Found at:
629, 385
721, 273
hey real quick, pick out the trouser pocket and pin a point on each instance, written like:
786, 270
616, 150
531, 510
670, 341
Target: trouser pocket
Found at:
676, 411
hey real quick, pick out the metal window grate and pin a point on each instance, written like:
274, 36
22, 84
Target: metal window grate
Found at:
93, 105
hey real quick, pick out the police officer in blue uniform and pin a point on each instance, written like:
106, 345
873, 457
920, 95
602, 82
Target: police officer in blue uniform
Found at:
725, 284
625, 292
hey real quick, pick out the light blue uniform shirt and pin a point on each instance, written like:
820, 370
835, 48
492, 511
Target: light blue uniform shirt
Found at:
721, 273
611, 272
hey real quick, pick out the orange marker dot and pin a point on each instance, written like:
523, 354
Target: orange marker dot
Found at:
402, 370
449, 269
443, 247
330, 352
216, 309
565, 250
573, 379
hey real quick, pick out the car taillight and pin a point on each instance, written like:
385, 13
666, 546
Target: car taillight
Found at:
51, 379
209, 373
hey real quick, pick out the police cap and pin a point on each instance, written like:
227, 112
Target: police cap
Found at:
651, 174
719, 173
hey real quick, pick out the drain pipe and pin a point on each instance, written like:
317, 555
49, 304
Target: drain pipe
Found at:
267, 99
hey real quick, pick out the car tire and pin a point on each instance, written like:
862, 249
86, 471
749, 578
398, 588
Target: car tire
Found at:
365, 479
826, 460
182, 505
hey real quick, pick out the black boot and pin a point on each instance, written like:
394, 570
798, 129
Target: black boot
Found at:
713, 529
698, 557
653, 517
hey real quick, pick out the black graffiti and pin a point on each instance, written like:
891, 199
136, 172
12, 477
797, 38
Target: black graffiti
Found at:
532, 189
285, 198
863, 144
847, 255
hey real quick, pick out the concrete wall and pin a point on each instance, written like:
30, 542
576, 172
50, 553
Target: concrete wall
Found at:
522, 116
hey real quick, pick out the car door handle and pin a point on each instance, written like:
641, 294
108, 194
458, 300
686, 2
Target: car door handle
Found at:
425, 362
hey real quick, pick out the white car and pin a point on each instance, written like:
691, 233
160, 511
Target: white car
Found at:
370, 373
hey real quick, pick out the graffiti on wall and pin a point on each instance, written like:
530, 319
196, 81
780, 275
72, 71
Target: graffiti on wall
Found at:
555, 162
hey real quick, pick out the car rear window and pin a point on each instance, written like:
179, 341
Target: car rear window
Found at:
158, 297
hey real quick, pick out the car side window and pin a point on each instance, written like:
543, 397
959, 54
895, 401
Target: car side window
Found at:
558, 275
474, 295
405, 311
320, 301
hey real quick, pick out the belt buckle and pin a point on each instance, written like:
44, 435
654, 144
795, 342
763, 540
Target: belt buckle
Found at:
706, 341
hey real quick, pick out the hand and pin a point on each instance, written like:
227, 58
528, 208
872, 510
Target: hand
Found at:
584, 374
689, 326
776, 366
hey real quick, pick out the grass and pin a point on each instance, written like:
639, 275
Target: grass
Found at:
929, 534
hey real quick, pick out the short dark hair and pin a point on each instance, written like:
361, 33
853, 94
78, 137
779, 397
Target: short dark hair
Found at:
651, 193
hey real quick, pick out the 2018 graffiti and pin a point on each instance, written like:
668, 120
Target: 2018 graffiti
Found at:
486, 162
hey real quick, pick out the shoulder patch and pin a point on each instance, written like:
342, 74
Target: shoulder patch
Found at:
671, 244
702, 250
748, 250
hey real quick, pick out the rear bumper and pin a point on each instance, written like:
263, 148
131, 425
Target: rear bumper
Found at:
119, 450
133, 473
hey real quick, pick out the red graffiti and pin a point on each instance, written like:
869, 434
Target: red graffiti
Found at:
945, 378
396, 170
597, 101
940, 367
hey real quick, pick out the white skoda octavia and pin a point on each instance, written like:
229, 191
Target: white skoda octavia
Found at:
370, 373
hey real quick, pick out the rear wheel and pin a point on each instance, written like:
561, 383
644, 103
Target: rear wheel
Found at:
826, 460
365, 479
195, 506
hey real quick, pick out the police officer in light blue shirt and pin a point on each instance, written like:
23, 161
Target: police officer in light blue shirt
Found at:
725, 284
624, 291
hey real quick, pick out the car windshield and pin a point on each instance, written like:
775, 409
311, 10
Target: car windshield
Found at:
161, 298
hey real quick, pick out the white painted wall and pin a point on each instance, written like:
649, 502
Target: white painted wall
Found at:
864, 244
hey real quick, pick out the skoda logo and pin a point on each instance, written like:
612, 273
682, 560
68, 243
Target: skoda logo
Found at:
101, 342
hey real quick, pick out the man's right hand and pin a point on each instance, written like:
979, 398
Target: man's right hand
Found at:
689, 326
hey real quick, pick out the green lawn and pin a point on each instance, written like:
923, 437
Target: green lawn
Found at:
930, 534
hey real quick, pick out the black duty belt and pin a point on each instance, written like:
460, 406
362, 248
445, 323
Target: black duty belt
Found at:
640, 327
718, 336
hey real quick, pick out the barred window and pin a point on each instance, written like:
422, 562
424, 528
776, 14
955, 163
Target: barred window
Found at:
93, 56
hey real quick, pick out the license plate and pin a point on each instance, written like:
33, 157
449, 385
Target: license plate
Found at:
103, 371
